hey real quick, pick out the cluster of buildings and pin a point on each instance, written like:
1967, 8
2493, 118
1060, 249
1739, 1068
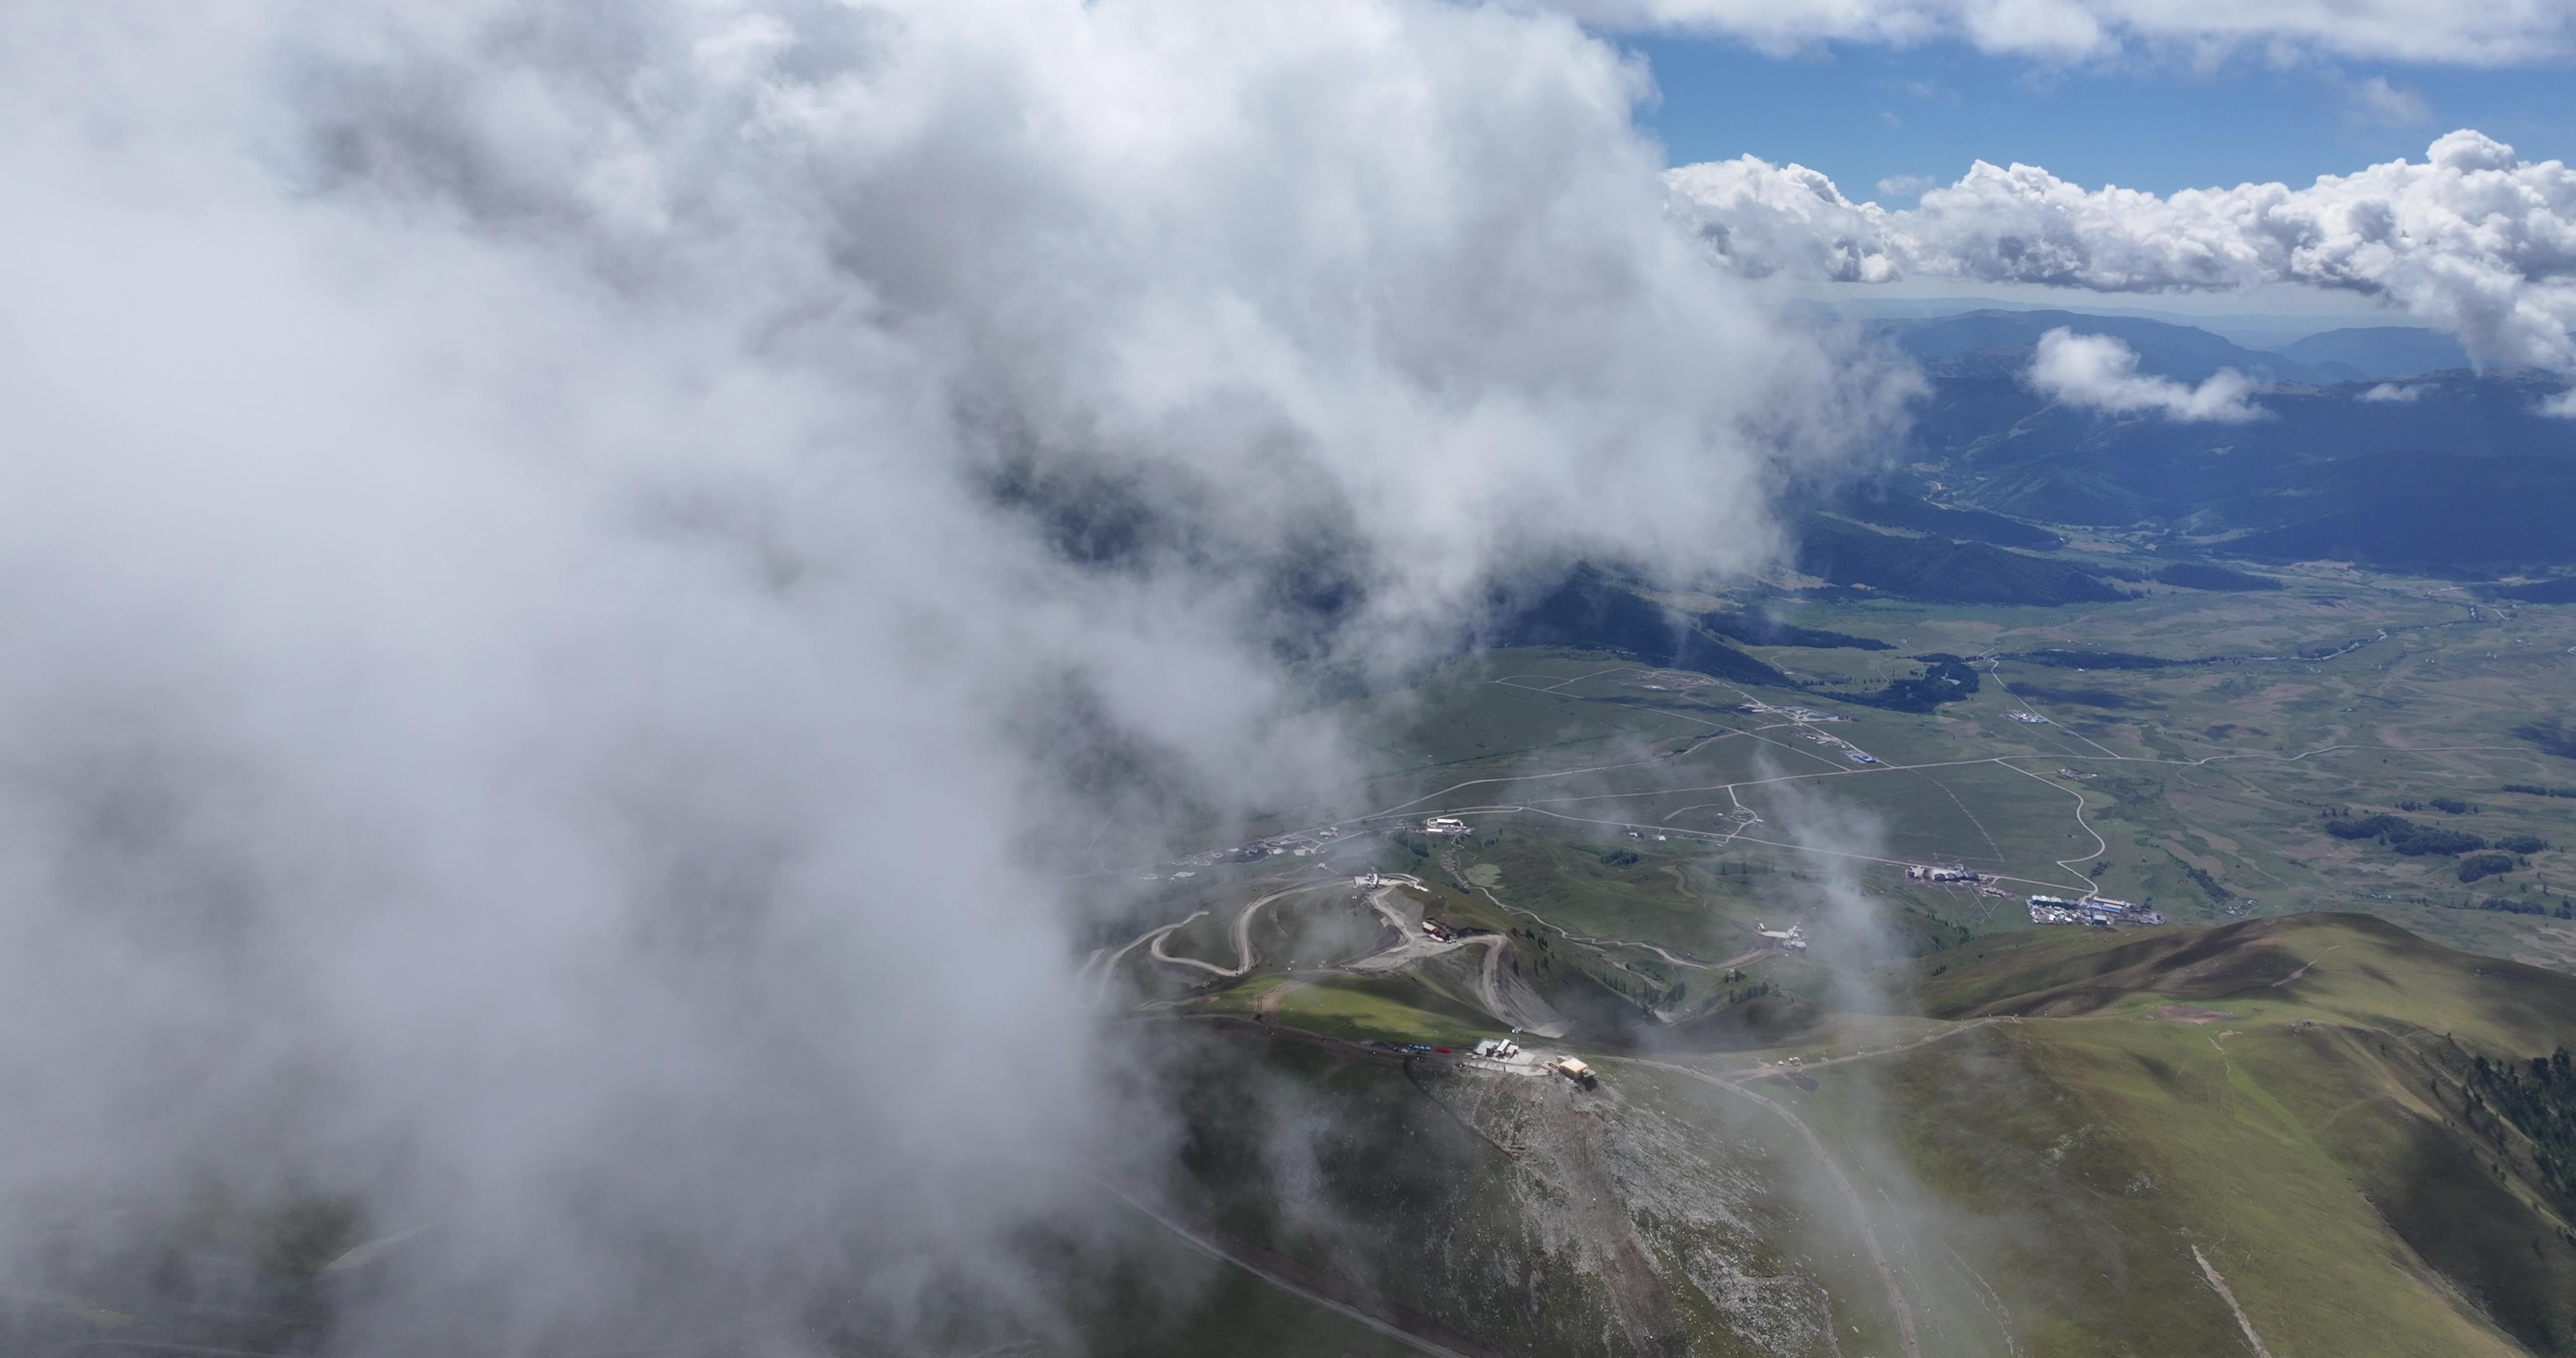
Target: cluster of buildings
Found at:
1504, 1049
2099, 911
2031, 717
1444, 825
1952, 873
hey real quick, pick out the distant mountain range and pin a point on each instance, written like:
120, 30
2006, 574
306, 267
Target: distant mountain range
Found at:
2378, 445
1999, 343
2381, 352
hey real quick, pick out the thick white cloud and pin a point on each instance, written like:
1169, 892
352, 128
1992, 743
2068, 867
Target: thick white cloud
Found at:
564, 565
2471, 239
2101, 373
2503, 33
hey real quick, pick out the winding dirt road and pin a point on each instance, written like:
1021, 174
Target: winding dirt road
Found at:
1244, 957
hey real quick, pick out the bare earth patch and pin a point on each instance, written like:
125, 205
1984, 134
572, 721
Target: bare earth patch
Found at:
2189, 1013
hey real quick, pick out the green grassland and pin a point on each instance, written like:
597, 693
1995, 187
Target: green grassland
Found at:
2044, 1155
1389, 1009
2099, 1120
2208, 784
2301, 1122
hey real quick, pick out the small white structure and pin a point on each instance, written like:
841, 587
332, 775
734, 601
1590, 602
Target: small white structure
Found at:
1497, 1049
1444, 825
1793, 937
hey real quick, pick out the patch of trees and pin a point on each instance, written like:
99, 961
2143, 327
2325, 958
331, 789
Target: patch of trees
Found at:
2479, 867
2552, 734
2536, 790
2403, 835
2208, 885
1901, 511
1764, 631
2506, 905
2057, 658
1939, 570
1945, 679
2087, 697
2197, 575
2449, 806
2522, 844
2538, 1097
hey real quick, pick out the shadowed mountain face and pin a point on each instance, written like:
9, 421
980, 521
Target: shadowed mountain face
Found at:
1999, 344
1941, 570
2381, 352
2374, 445
1592, 612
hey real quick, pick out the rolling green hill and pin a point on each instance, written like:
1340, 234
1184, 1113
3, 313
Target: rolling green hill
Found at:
2315, 1133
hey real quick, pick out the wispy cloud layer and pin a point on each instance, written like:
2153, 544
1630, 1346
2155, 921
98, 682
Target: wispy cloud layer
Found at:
2471, 239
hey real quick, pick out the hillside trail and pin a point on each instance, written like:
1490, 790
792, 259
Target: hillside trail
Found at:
1906, 1338
1272, 1269
1103, 966
2227, 1294
1927, 1039
1510, 1002
1449, 864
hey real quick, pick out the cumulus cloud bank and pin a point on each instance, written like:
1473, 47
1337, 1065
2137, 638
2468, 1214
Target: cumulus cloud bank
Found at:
2471, 239
2101, 373
565, 563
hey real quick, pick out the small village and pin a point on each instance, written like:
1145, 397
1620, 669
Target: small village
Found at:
2099, 911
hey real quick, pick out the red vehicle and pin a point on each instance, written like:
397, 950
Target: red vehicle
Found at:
1444, 1051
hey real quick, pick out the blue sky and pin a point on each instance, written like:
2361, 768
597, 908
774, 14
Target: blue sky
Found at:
1866, 113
